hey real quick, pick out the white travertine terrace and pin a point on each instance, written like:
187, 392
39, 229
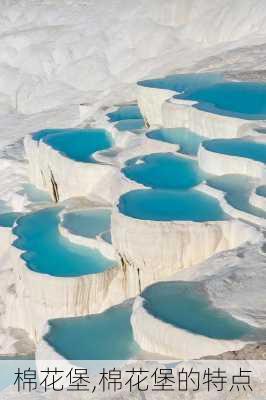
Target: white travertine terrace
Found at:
232, 211
221, 164
159, 107
48, 166
147, 251
157, 336
225, 278
178, 112
100, 181
39, 297
60, 63
158, 249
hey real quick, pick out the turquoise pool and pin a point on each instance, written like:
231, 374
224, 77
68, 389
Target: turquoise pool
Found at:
214, 94
105, 336
164, 171
237, 147
46, 251
238, 189
134, 125
88, 223
125, 113
238, 99
171, 205
184, 82
77, 144
186, 306
188, 141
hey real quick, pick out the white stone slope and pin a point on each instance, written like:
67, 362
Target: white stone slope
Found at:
49, 53
13, 176
78, 52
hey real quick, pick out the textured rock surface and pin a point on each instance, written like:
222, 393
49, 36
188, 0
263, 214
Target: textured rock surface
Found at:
159, 249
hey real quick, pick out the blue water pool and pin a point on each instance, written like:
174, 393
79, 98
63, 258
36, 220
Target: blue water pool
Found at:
164, 171
105, 336
77, 144
237, 99
125, 113
185, 305
237, 147
188, 141
184, 82
238, 189
170, 205
214, 94
134, 125
46, 251
89, 223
